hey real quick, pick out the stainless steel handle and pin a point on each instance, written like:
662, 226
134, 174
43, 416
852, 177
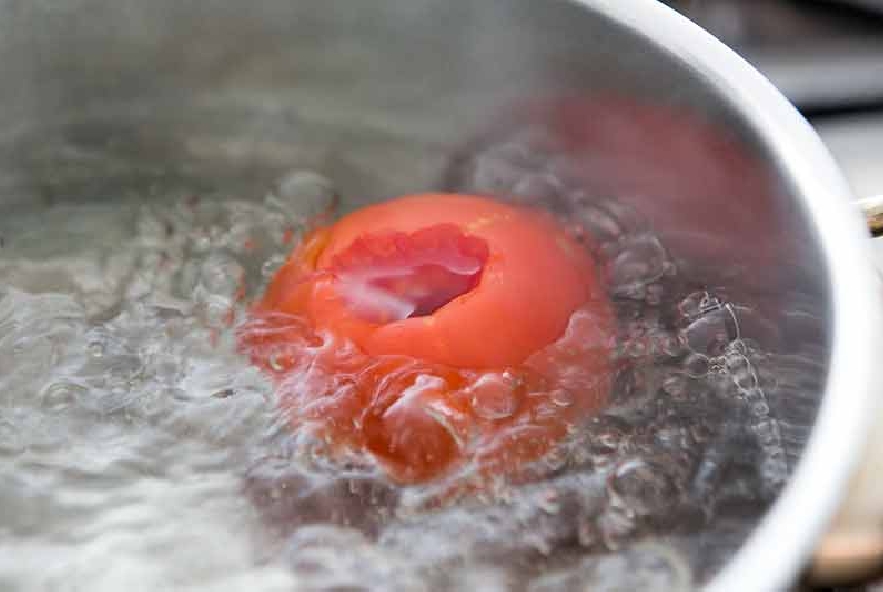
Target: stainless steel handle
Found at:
852, 551
873, 210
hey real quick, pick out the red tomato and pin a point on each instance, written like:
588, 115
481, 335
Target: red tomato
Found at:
436, 332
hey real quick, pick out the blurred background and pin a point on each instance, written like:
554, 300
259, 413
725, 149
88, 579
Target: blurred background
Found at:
826, 56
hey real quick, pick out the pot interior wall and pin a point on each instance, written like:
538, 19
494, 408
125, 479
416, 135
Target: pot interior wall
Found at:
125, 101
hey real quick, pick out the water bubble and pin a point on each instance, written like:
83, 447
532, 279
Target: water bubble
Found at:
293, 494
221, 275
608, 436
542, 188
616, 526
272, 265
737, 362
673, 437
482, 578
163, 366
698, 304
217, 232
753, 395
555, 459
712, 332
588, 532
150, 228
754, 325
675, 385
636, 347
700, 432
58, 396
494, 395
320, 535
11, 441
672, 346
696, 365
630, 218
766, 431
214, 311
643, 568
304, 194
96, 349
639, 260
202, 242
639, 488
600, 224
572, 579
774, 467
562, 397
654, 294
329, 570
742, 372
549, 501
495, 175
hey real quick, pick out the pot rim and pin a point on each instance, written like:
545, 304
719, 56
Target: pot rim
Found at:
774, 553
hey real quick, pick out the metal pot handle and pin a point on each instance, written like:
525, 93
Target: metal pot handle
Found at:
873, 210
852, 550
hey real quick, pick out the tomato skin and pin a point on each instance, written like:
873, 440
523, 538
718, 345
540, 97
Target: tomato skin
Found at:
510, 314
489, 380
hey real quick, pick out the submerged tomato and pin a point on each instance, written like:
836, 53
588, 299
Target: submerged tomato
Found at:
435, 332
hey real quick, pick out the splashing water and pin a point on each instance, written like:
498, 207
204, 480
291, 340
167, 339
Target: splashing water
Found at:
138, 449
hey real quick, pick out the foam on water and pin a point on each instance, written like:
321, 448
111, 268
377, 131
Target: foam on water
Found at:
138, 450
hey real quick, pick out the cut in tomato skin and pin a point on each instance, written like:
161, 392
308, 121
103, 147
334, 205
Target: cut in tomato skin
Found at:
487, 336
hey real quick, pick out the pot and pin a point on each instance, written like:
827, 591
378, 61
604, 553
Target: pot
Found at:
103, 98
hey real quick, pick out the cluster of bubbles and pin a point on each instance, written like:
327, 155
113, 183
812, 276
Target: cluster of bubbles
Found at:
690, 451
126, 415
127, 420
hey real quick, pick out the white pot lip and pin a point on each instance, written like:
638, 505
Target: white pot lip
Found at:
779, 546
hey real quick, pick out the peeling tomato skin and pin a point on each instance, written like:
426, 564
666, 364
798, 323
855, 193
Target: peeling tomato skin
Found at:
475, 383
536, 275
420, 272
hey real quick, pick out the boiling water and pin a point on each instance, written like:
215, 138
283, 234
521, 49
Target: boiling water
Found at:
140, 451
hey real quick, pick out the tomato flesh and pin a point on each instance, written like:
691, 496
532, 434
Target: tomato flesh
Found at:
396, 275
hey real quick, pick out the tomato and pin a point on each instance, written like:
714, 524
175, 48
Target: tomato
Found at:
438, 331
